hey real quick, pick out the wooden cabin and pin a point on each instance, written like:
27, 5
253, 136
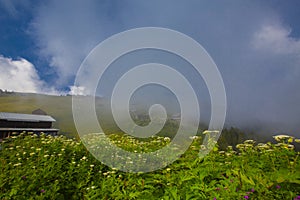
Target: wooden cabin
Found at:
17, 122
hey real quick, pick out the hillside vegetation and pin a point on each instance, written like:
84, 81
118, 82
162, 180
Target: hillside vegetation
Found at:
48, 167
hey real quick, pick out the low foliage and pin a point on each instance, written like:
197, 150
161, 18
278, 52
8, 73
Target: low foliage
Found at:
45, 167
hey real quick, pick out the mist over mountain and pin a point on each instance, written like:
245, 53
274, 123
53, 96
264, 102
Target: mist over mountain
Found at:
254, 44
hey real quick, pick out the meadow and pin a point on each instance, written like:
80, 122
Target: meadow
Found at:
45, 167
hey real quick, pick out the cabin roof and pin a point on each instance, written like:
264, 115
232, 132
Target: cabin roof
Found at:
25, 117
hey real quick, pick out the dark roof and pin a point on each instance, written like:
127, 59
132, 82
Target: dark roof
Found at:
25, 117
39, 112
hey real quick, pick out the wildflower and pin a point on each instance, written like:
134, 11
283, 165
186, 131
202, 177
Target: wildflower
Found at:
217, 188
252, 190
228, 154
298, 141
18, 164
42, 191
105, 173
230, 148
278, 186
297, 197
203, 147
23, 177
215, 198
208, 132
263, 146
290, 146
249, 142
279, 138
91, 166
246, 197
45, 156
59, 154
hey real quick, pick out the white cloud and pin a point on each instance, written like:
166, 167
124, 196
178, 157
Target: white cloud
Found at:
77, 90
66, 38
276, 39
21, 76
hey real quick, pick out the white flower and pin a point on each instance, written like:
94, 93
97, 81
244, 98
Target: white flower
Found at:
281, 137
105, 173
194, 137
92, 166
249, 142
209, 132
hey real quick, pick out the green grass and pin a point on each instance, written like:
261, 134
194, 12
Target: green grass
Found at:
60, 107
59, 168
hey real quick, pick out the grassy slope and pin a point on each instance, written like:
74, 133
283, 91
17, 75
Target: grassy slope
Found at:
60, 107
57, 106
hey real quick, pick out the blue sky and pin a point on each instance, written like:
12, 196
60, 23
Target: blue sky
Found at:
255, 44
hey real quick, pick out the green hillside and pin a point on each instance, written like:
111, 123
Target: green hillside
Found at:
59, 107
